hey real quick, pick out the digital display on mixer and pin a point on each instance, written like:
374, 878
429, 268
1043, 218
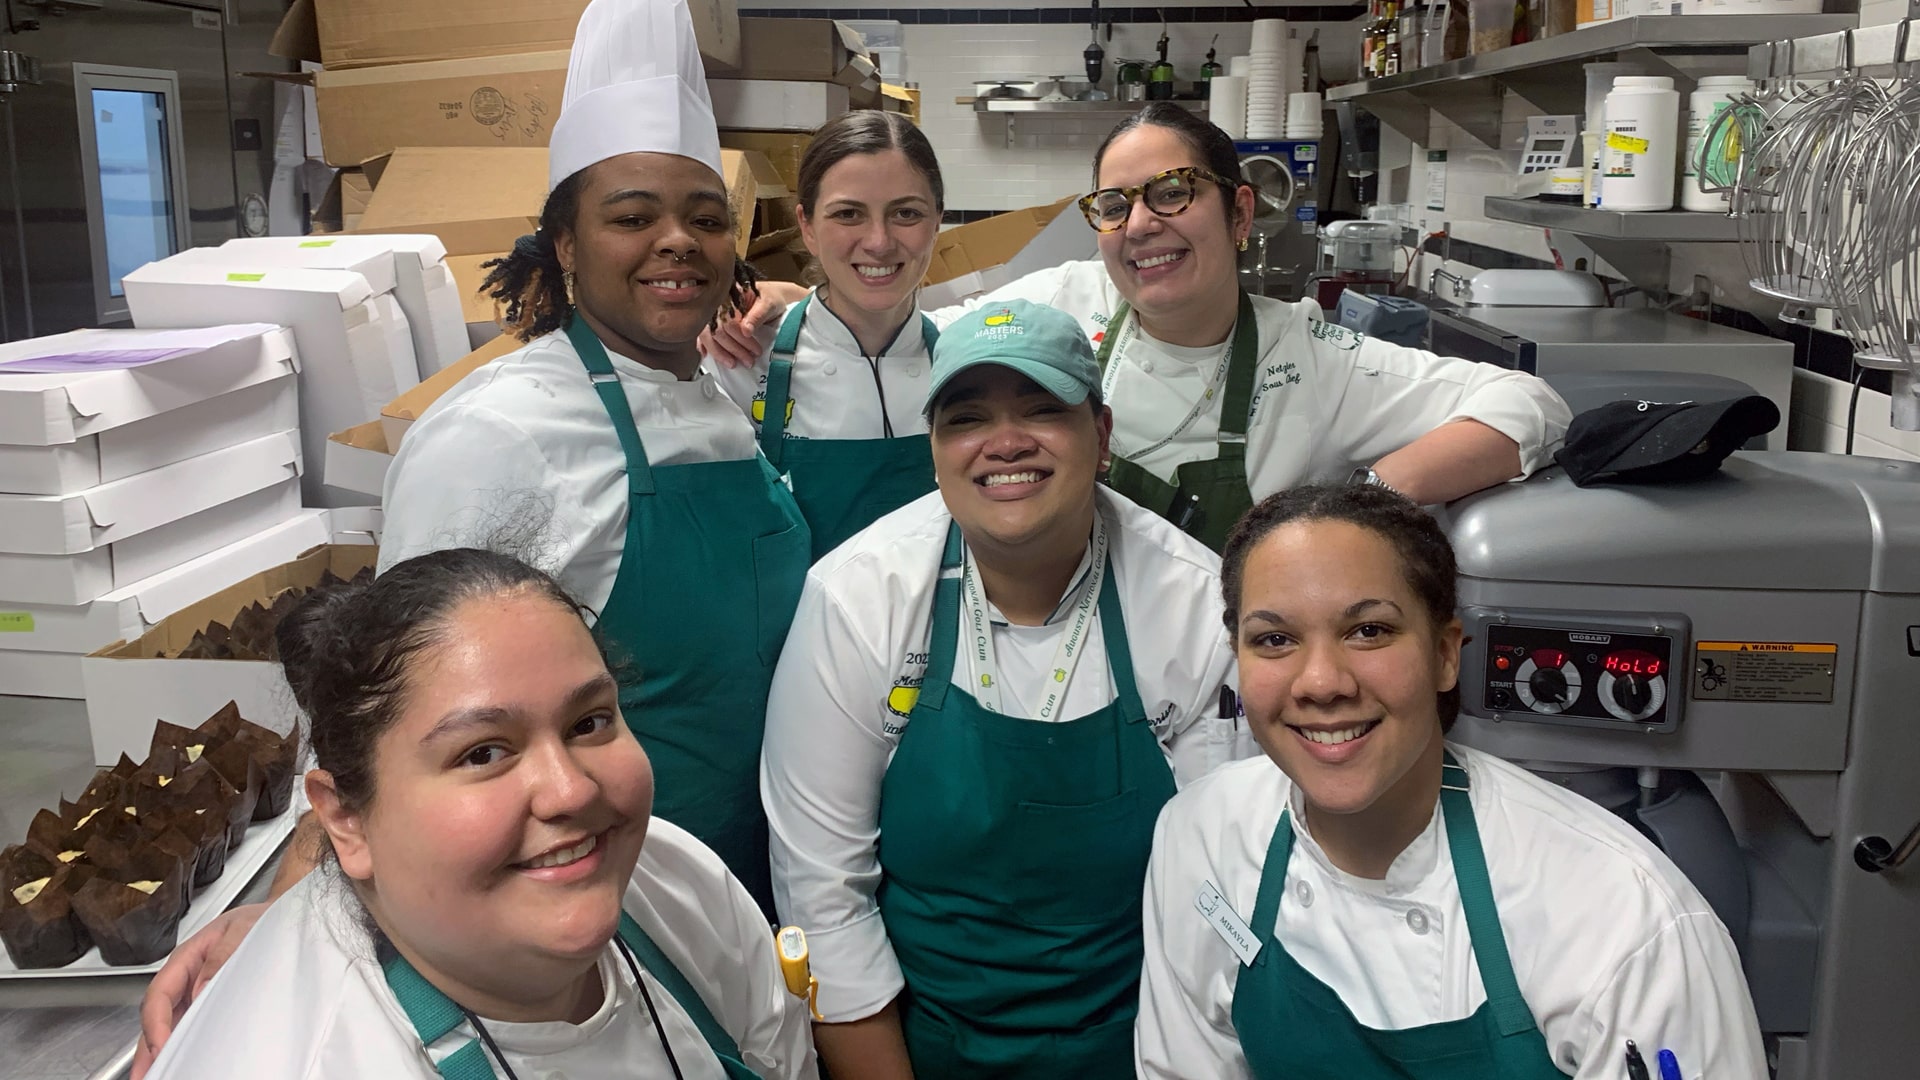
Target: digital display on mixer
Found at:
1548, 658
1549, 145
1633, 662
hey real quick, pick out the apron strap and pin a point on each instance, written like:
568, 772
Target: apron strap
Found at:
1244, 363
434, 1015
929, 334
1273, 882
657, 965
779, 392
944, 637
606, 383
1113, 631
1510, 1010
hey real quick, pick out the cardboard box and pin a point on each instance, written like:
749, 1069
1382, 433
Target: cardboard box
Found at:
417, 265
782, 149
755, 190
357, 459
84, 578
357, 347
402, 411
85, 520
121, 452
127, 685
990, 241
489, 101
129, 612
776, 106
805, 50
41, 674
356, 526
476, 200
347, 33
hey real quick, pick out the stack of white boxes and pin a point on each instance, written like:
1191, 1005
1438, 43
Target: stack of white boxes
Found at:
343, 303
139, 472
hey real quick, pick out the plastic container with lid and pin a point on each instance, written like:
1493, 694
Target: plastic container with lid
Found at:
879, 33
1709, 97
1641, 149
1490, 22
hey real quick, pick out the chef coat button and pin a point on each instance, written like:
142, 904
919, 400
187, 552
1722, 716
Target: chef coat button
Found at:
1303, 892
708, 388
831, 367
913, 371
1417, 921
1146, 366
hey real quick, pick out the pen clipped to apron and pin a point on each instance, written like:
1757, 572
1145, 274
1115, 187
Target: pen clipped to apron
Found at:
797, 968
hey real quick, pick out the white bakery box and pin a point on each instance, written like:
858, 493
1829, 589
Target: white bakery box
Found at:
355, 346
132, 682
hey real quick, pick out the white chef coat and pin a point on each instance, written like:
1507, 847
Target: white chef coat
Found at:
527, 436
303, 998
850, 673
1326, 400
1609, 940
835, 388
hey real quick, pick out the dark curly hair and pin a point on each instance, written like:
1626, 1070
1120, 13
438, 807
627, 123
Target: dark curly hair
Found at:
1426, 556
348, 651
530, 285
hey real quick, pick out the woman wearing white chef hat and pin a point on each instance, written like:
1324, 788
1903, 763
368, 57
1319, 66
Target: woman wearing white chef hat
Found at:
666, 520
1373, 902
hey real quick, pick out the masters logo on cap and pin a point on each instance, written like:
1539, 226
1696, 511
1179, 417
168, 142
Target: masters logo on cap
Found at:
1042, 343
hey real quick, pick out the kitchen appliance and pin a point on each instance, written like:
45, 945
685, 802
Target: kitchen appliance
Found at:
1394, 319
1534, 288
1356, 255
1130, 80
1289, 190
1552, 143
1730, 663
1160, 75
1096, 59
1209, 69
1548, 341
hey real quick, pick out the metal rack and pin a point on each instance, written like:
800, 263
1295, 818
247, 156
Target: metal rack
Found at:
1034, 106
1547, 72
1665, 226
1869, 49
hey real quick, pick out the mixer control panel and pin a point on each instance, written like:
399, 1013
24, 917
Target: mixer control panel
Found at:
1575, 668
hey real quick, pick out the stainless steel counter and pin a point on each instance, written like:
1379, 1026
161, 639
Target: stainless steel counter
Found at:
61, 1029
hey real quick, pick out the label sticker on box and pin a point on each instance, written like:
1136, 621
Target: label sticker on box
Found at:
16, 622
1626, 144
245, 277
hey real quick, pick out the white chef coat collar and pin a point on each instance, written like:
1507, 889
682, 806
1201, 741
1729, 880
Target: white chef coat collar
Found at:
635, 84
557, 1036
1410, 870
835, 332
1201, 356
628, 367
1061, 609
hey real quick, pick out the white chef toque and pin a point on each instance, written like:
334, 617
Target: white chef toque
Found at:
635, 84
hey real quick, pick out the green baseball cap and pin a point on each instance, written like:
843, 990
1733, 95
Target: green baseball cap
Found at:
1043, 343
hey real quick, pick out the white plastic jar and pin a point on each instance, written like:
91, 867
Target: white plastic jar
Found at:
1709, 97
1641, 149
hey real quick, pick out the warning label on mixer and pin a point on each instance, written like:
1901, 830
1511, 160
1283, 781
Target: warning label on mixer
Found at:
1764, 671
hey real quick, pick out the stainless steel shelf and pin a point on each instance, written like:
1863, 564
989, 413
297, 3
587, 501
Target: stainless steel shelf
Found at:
1671, 226
1547, 72
1068, 108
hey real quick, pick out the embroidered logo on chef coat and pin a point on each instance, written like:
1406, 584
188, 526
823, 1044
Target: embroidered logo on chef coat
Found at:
760, 409
1336, 335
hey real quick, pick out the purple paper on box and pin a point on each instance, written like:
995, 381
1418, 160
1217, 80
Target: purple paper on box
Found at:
90, 360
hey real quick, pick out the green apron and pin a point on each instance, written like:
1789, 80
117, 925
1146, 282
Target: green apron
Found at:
1207, 497
1013, 855
1292, 1027
842, 485
433, 1014
709, 577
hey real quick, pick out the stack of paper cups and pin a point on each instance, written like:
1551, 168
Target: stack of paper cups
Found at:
1227, 104
1296, 70
1303, 117
1267, 80
1240, 65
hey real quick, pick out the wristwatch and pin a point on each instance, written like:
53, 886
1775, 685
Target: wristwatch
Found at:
1364, 476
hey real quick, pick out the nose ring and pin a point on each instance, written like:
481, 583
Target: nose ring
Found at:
679, 258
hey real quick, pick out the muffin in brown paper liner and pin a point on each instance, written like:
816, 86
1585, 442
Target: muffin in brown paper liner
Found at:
139, 860
162, 834
236, 765
221, 726
131, 926
275, 754
42, 931
206, 806
252, 637
52, 837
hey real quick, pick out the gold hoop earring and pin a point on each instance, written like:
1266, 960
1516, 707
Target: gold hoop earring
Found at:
566, 282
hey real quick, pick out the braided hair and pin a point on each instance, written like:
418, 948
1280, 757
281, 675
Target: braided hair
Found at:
530, 285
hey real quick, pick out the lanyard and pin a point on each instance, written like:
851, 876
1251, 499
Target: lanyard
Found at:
984, 661
1114, 350
645, 997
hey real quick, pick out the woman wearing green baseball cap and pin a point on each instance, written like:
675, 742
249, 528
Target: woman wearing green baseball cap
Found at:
987, 697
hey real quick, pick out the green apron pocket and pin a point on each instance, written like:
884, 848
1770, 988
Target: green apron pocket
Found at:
1098, 847
780, 563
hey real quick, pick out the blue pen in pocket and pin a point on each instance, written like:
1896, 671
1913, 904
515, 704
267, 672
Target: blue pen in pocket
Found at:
1669, 1066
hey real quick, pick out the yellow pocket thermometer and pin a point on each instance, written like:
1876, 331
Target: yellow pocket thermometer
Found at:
791, 942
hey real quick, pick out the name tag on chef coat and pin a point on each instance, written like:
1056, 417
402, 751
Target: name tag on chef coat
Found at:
1231, 928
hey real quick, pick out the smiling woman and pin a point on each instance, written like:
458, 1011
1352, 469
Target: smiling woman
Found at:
500, 895
1384, 903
